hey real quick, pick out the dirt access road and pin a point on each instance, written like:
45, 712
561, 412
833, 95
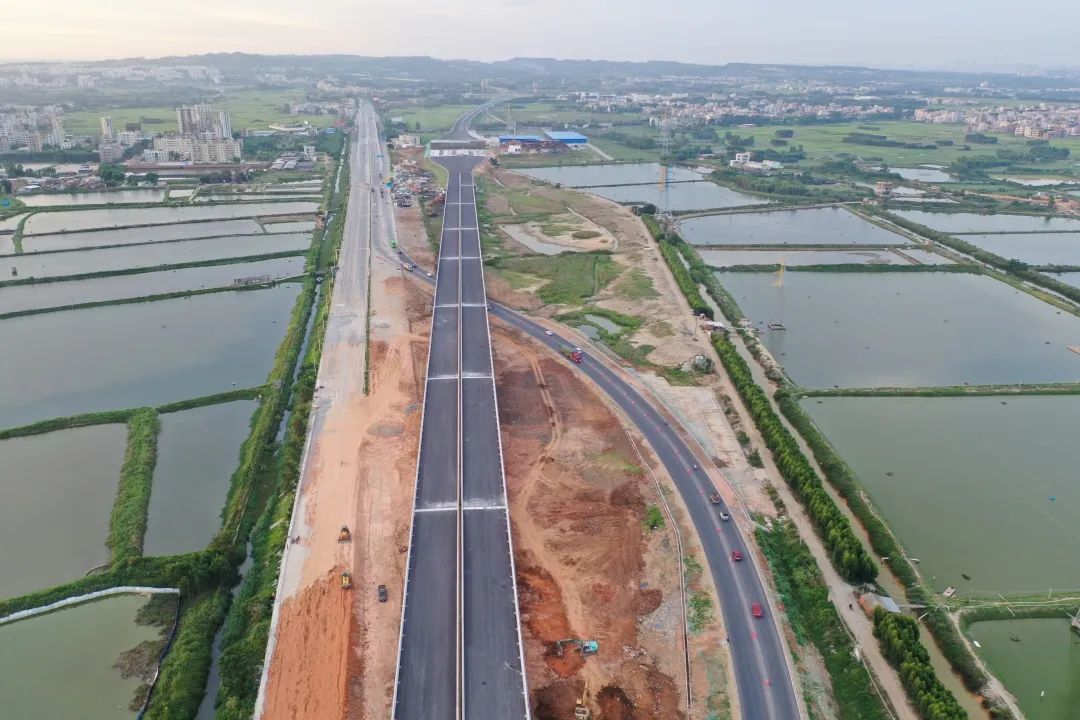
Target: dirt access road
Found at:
323, 662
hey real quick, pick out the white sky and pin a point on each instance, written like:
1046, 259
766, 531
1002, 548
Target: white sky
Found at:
954, 34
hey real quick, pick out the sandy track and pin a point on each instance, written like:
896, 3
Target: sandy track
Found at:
336, 650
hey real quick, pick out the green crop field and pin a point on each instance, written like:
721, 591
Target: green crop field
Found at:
253, 109
822, 142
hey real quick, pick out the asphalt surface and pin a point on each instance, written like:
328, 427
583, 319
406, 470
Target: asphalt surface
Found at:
460, 649
764, 685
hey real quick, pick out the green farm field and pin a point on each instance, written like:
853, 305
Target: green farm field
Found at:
254, 109
822, 142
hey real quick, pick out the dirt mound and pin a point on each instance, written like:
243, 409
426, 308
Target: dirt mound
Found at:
614, 704
557, 700
628, 496
648, 601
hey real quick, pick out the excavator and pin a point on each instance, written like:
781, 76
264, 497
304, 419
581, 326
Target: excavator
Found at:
344, 535
581, 711
585, 647
346, 580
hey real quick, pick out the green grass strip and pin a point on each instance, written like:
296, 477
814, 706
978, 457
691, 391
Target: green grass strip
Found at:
128, 523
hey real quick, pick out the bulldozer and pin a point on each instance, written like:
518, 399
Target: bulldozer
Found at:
344, 535
585, 647
346, 580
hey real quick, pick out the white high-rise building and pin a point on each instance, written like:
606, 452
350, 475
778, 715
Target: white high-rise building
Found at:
204, 122
106, 128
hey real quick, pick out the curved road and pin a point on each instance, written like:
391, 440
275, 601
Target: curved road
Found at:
765, 688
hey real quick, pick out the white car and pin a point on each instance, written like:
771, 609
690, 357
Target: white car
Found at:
431, 275
549, 332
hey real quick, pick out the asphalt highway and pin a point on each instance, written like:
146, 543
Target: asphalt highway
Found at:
764, 684
460, 649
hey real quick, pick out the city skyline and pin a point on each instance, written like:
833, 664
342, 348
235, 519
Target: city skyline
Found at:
921, 35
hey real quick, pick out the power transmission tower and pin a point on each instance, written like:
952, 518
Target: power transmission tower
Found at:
662, 210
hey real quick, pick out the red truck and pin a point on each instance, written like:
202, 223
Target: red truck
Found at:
576, 355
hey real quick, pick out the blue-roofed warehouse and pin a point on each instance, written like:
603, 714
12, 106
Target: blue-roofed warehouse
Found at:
567, 137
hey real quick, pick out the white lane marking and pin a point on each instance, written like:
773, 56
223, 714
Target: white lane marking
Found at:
452, 507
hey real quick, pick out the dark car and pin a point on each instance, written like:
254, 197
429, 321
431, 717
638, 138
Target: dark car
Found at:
383, 596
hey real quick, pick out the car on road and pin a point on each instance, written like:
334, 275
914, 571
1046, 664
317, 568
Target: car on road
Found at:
715, 498
724, 516
736, 555
549, 332
383, 595
756, 610
431, 274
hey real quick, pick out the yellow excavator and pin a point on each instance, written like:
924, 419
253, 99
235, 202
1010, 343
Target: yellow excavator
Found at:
344, 535
346, 580
582, 712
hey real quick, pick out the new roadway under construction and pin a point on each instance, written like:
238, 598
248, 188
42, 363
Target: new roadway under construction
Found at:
448, 672
460, 648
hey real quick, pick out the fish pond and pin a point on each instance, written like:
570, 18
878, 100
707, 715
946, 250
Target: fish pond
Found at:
198, 450
108, 197
40, 296
67, 664
907, 329
1039, 662
1072, 278
977, 223
60, 264
52, 222
56, 496
121, 356
1033, 249
923, 174
727, 258
703, 195
820, 226
613, 174
133, 236
949, 473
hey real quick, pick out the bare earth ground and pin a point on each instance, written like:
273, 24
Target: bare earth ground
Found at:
335, 653
587, 567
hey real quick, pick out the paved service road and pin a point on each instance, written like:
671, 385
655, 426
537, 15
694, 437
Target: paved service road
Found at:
460, 648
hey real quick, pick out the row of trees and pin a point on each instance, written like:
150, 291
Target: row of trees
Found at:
847, 553
899, 638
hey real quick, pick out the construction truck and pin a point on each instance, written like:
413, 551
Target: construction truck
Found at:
344, 535
585, 647
346, 580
